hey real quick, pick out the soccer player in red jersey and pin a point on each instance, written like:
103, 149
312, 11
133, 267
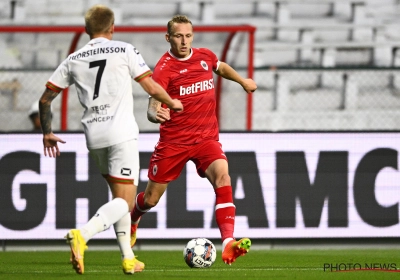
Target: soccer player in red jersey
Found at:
186, 73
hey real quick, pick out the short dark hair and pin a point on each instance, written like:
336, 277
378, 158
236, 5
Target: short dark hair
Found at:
33, 115
177, 19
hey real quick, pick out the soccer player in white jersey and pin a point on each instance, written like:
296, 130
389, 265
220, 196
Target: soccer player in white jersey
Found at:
102, 72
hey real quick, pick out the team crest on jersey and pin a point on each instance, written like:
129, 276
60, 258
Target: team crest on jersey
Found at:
204, 65
155, 169
125, 171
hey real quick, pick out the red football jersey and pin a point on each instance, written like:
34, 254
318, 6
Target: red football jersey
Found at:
191, 81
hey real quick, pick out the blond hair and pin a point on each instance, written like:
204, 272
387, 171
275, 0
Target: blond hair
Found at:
98, 19
177, 19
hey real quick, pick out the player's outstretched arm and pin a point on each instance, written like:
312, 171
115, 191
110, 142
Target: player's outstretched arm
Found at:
227, 72
158, 93
49, 139
156, 113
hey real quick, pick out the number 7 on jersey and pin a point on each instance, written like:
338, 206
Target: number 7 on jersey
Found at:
101, 64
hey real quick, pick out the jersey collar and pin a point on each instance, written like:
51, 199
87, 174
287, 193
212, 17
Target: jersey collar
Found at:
97, 40
182, 59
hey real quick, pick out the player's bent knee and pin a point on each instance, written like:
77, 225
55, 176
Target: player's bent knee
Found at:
224, 180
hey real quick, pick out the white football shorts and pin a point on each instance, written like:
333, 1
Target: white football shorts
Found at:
119, 161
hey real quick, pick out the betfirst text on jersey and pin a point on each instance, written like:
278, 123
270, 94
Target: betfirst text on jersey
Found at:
199, 86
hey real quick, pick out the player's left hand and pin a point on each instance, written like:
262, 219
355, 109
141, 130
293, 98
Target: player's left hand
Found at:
50, 145
249, 85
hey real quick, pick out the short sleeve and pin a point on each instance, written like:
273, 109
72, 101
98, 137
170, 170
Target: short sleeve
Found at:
137, 66
61, 78
214, 59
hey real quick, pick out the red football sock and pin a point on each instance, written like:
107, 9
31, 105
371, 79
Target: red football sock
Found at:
139, 208
225, 211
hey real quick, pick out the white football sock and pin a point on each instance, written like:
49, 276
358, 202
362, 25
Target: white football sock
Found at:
107, 215
122, 230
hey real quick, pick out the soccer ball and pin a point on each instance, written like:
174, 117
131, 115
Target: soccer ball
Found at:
199, 253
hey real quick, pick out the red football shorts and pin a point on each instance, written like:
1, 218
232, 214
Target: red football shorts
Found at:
168, 160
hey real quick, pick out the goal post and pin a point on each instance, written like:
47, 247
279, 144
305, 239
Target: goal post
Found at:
231, 30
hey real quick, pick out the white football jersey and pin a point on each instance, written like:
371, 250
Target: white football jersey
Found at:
102, 72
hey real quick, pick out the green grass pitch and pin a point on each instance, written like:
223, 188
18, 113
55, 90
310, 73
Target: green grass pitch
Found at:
257, 264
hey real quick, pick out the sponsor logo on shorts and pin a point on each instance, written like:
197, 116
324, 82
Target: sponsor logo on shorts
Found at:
155, 169
125, 171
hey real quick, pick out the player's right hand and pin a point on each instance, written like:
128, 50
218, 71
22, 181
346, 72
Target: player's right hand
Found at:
163, 115
50, 145
177, 105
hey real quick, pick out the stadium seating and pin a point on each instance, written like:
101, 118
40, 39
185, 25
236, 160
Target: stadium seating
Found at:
288, 32
295, 33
